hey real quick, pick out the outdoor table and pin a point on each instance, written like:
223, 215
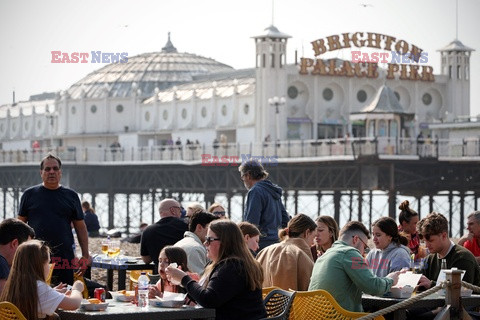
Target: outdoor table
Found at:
432, 301
121, 265
126, 310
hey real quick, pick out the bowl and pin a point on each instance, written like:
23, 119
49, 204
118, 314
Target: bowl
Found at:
94, 306
123, 295
169, 300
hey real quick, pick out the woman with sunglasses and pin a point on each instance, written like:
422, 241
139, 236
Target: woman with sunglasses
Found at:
218, 210
390, 253
289, 264
232, 282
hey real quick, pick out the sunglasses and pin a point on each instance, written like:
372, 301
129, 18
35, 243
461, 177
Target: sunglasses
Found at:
366, 248
219, 213
209, 240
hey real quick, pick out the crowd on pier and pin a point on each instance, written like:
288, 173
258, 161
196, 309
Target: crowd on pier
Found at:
221, 264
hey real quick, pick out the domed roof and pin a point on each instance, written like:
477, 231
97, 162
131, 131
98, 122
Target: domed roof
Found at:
145, 72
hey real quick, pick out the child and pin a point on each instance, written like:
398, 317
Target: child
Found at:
168, 255
26, 287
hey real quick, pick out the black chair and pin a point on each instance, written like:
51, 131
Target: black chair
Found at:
278, 303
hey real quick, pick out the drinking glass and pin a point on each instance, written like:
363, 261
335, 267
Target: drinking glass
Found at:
114, 248
105, 246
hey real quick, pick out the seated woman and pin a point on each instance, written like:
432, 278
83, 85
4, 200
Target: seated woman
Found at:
233, 282
26, 287
289, 264
251, 234
408, 226
169, 254
391, 253
218, 210
326, 235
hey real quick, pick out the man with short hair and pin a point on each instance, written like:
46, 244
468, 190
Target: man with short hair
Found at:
13, 232
193, 240
50, 209
434, 229
471, 240
166, 231
264, 207
342, 270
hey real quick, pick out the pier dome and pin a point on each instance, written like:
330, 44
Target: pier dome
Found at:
144, 73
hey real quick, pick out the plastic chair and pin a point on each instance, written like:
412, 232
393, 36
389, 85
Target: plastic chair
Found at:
9, 311
278, 303
134, 274
50, 271
320, 304
267, 290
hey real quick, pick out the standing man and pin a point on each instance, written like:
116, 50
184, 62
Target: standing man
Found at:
343, 272
13, 233
193, 240
264, 207
50, 209
166, 231
471, 241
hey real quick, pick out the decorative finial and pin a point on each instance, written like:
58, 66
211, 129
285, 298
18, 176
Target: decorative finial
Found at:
169, 48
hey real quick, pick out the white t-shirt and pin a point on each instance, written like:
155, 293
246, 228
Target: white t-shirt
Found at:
48, 299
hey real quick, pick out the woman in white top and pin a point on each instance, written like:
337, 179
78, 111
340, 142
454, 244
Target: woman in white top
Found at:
26, 287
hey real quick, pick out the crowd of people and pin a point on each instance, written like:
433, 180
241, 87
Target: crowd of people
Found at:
221, 264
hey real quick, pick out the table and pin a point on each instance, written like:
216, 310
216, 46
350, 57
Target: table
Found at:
126, 310
121, 266
432, 301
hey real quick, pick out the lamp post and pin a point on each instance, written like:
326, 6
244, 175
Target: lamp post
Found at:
277, 102
51, 116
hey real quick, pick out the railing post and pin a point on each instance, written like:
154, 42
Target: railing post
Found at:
452, 296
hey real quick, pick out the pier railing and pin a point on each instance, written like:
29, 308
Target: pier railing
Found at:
326, 149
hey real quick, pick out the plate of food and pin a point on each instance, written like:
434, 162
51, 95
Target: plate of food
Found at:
123, 295
94, 305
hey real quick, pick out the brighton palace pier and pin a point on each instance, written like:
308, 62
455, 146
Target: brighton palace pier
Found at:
338, 134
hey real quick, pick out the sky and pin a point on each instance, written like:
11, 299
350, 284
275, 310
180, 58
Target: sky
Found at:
218, 29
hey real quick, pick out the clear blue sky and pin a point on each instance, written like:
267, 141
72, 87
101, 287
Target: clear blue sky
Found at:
220, 29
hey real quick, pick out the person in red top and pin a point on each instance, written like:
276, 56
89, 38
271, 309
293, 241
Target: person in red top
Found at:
471, 241
408, 224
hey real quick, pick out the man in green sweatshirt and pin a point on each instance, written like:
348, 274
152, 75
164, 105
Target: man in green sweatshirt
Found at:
342, 270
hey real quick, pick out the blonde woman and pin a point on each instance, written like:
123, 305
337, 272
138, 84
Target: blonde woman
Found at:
289, 264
